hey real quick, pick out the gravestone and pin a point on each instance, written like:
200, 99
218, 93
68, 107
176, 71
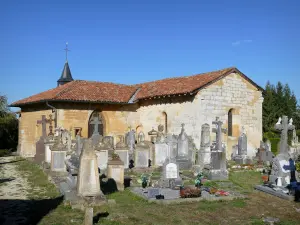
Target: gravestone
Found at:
115, 170
279, 175
241, 157
160, 134
67, 139
123, 151
295, 138
103, 150
131, 142
58, 155
161, 153
171, 141
49, 142
204, 154
183, 150
79, 144
142, 152
283, 125
96, 135
279, 171
88, 184
218, 153
170, 175
153, 135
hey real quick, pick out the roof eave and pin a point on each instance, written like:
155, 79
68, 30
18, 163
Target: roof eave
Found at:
70, 101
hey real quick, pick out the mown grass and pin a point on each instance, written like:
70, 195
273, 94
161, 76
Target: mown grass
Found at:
132, 209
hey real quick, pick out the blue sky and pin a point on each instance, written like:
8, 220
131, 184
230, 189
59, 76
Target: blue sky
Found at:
136, 41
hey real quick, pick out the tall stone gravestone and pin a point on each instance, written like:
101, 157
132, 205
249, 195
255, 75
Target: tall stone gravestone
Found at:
183, 150
241, 157
88, 184
130, 141
280, 175
96, 135
160, 148
218, 159
204, 154
142, 152
123, 151
67, 138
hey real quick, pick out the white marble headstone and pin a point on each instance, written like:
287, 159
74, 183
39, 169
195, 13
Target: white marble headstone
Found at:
116, 174
171, 171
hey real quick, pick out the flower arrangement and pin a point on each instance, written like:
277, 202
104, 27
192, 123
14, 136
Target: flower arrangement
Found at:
143, 180
198, 180
298, 166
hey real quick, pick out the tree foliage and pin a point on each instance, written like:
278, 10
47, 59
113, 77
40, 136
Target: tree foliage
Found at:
8, 126
279, 100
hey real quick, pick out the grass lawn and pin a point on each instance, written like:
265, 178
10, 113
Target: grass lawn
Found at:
131, 209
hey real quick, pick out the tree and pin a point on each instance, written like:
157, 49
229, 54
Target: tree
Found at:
8, 126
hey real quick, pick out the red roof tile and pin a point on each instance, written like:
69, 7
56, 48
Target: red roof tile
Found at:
89, 91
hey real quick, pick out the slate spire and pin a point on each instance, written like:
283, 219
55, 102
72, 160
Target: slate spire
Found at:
66, 75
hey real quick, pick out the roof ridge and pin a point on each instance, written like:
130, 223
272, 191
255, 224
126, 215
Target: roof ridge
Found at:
187, 76
106, 82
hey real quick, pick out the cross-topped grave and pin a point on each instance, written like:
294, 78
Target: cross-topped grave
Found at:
218, 130
283, 125
44, 122
218, 154
96, 122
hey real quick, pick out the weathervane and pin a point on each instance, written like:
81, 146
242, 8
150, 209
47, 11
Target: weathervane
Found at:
67, 50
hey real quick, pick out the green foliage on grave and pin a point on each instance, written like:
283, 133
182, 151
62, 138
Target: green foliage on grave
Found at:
274, 145
8, 126
298, 166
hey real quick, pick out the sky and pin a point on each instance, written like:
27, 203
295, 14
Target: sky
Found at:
129, 42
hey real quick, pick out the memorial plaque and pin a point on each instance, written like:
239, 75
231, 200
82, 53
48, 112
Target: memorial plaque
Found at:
47, 153
58, 161
171, 171
152, 192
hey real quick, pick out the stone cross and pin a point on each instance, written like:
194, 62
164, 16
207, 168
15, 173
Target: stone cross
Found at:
283, 125
218, 130
44, 121
96, 122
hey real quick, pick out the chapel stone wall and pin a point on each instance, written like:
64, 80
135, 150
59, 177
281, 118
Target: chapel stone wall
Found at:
30, 131
232, 92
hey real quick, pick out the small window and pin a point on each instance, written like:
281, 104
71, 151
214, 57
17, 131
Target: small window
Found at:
77, 130
230, 122
165, 119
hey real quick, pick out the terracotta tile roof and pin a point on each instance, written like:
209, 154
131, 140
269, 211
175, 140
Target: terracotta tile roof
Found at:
89, 91
85, 91
179, 85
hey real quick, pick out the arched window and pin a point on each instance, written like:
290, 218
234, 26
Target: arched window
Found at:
230, 122
165, 119
95, 121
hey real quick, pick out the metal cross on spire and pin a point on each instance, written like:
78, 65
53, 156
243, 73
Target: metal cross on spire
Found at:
67, 50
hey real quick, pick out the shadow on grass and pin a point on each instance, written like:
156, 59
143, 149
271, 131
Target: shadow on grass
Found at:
11, 161
6, 180
26, 212
100, 215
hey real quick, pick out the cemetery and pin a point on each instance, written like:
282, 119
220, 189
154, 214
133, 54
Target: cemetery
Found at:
165, 170
153, 153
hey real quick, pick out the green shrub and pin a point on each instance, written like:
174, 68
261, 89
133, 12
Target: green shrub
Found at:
271, 134
274, 144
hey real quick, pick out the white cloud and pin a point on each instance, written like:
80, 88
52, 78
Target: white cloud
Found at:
236, 43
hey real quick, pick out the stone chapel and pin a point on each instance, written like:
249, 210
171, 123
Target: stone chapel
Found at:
192, 100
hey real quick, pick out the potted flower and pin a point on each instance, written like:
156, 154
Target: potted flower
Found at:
199, 177
144, 180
